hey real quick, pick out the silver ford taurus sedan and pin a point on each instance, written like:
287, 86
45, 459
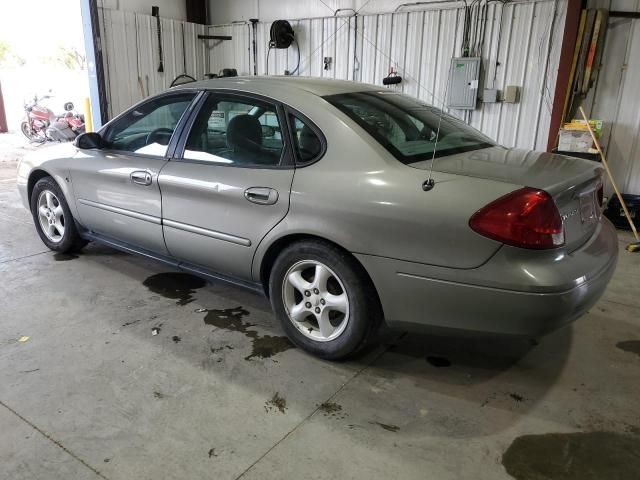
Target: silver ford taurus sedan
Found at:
347, 204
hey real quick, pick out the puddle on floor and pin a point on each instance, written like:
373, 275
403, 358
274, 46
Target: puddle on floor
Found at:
276, 402
329, 408
219, 349
267, 346
387, 427
632, 429
631, 346
64, 257
175, 285
263, 346
332, 410
438, 362
574, 456
229, 319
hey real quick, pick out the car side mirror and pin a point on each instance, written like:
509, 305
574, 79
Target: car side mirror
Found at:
268, 131
89, 141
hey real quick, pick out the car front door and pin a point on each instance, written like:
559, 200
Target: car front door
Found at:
229, 185
116, 187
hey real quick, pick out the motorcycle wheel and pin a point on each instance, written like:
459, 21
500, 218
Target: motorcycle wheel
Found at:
26, 130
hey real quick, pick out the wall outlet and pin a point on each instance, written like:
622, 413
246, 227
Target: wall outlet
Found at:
511, 94
490, 95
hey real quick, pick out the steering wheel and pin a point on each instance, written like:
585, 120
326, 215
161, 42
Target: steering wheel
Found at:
427, 133
177, 80
159, 132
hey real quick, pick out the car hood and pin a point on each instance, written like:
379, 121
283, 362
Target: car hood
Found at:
548, 171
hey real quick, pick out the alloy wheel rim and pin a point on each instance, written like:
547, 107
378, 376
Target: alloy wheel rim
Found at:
51, 216
315, 300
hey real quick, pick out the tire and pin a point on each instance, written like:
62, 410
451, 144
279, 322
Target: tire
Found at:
343, 285
26, 130
54, 223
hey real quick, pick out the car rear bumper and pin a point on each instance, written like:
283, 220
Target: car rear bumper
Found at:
516, 292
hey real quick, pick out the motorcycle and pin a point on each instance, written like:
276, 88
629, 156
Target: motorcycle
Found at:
37, 119
66, 127
41, 124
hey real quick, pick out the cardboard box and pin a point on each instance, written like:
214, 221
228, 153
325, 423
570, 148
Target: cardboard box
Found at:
574, 140
575, 124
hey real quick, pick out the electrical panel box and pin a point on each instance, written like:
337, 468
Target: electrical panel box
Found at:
463, 83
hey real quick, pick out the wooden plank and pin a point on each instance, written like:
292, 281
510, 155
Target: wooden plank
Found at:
584, 50
597, 64
586, 83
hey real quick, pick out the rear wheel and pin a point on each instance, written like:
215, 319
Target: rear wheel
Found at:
324, 299
53, 219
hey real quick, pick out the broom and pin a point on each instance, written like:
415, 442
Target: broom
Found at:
635, 246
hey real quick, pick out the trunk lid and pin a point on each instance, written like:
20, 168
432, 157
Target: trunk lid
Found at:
580, 210
572, 182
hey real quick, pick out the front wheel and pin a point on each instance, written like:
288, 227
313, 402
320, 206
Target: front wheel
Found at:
53, 219
324, 299
26, 130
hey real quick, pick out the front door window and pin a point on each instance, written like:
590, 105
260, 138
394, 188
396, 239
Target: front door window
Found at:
147, 128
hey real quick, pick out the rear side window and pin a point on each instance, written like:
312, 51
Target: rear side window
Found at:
147, 128
236, 132
308, 144
409, 129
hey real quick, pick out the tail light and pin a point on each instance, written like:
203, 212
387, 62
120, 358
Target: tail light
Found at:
526, 218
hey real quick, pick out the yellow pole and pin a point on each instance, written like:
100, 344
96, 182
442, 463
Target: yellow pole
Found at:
88, 120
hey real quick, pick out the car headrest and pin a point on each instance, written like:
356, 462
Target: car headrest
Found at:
309, 142
244, 132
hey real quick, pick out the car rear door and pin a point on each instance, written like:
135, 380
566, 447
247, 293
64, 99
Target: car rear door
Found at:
116, 187
229, 183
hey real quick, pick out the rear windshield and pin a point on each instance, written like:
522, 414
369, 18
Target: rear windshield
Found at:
407, 127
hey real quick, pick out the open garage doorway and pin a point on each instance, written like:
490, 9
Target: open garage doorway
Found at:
42, 64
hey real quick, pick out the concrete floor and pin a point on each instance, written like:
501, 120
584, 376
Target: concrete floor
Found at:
219, 393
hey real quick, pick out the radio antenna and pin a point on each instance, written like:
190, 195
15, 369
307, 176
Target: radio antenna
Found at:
430, 183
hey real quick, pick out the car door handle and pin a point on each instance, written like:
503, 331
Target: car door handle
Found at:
261, 195
141, 177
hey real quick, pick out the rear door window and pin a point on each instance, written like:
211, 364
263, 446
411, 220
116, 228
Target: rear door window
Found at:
308, 144
236, 132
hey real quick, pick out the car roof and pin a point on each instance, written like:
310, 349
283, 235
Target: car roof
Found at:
282, 86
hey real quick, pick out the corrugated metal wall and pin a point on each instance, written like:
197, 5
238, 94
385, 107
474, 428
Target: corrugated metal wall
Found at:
131, 57
624, 145
521, 47
615, 99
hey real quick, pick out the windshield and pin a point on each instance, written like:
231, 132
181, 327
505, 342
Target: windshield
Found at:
407, 127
